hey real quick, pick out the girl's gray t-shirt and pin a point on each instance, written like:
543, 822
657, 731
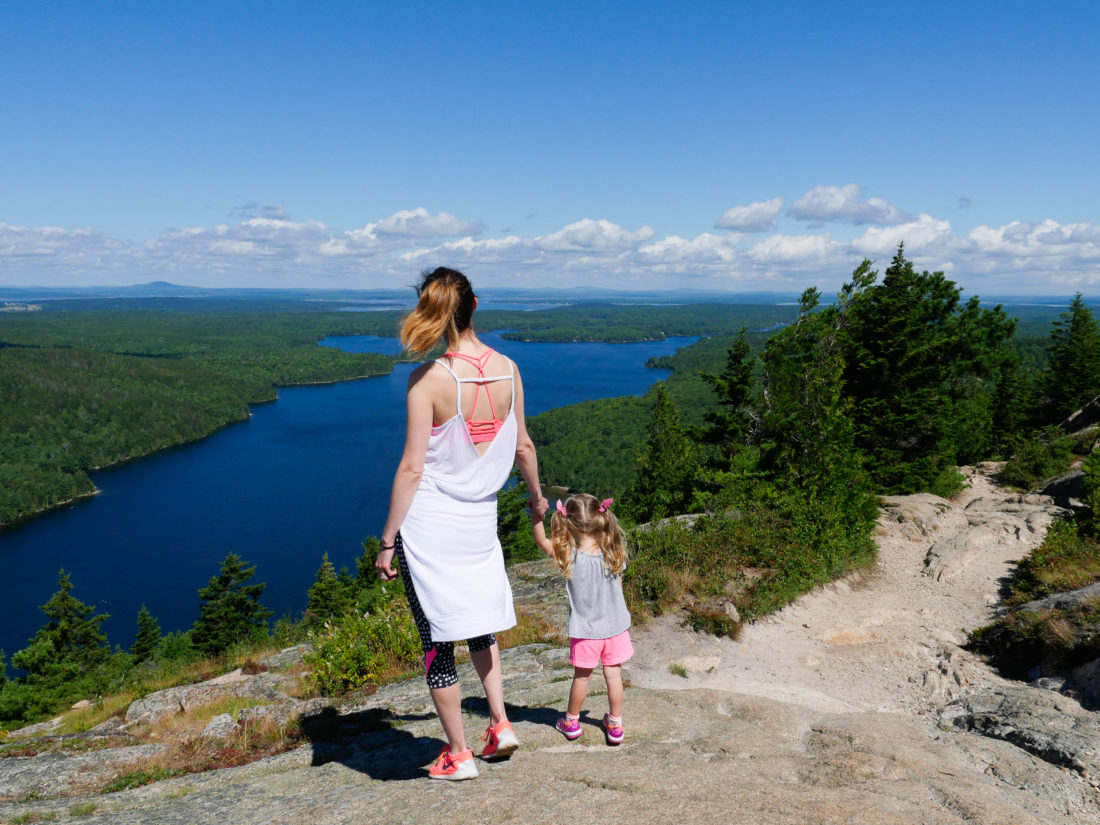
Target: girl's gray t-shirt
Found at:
597, 609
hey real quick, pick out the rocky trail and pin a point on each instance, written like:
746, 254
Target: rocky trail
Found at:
854, 705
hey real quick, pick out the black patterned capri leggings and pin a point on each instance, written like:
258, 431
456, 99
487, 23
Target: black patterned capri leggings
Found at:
439, 657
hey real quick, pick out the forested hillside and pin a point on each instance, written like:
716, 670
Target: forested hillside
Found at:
84, 389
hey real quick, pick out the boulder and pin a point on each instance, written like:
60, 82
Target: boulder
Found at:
164, 704
1084, 417
283, 713
220, 727
1066, 490
1051, 726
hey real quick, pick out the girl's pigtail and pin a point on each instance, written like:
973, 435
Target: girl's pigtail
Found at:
614, 546
561, 539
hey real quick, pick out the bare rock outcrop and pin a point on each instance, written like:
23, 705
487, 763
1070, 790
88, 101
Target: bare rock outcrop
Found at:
164, 704
69, 772
1054, 728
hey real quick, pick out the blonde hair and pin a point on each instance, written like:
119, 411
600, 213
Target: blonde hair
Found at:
444, 310
583, 517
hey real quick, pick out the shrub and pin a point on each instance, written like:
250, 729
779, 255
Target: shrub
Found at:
1065, 560
362, 650
1044, 456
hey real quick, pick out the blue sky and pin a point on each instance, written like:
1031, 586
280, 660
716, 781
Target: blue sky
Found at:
728, 146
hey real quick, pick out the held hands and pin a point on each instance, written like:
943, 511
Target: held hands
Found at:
383, 563
538, 506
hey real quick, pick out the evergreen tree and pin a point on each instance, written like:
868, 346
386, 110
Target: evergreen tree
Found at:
806, 426
921, 371
667, 466
69, 644
727, 427
148, 636
328, 596
1073, 375
230, 611
514, 525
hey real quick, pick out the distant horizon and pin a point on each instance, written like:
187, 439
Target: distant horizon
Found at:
594, 294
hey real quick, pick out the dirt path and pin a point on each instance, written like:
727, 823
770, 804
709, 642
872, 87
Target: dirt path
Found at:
885, 640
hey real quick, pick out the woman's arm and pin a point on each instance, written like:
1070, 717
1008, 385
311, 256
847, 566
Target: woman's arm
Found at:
418, 430
526, 459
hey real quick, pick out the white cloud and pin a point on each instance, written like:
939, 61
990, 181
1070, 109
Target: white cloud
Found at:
588, 234
798, 250
924, 235
50, 248
841, 203
705, 248
422, 224
758, 216
271, 249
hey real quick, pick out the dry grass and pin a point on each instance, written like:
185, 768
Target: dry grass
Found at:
256, 740
186, 726
78, 721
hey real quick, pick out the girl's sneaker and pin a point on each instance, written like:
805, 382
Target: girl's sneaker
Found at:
500, 741
570, 728
612, 731
454, 766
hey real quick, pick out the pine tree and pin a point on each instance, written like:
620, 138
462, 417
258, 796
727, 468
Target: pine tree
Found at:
667, 466
328, 596
63, 660
727, 427
1073, 375
69, 644
806, 418
230, 611
921, 371
148, 636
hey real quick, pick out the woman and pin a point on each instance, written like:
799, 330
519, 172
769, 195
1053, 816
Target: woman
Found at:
465, 431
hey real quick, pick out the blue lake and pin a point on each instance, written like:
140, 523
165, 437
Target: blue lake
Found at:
305, 475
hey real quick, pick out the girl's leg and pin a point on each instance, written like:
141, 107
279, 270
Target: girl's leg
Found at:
487, 662
613, 675
579, 690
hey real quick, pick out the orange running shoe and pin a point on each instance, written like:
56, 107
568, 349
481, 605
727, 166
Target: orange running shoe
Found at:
454, 766
500, 741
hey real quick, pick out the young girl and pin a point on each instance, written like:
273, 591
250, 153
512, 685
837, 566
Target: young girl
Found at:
587, 544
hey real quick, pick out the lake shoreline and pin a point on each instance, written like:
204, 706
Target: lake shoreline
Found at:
42, 511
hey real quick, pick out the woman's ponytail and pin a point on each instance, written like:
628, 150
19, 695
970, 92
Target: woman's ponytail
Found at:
444, 310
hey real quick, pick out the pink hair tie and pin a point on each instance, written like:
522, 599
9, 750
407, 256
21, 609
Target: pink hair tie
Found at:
561, 509
605, 505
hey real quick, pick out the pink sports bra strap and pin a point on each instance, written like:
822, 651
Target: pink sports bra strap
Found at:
485, 430
480, 363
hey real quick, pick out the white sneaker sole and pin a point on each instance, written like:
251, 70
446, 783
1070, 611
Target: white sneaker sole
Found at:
507, 744
467, 770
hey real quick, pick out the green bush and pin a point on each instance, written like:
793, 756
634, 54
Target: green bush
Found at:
1041, 457
366, 649
1066, 560
1054, 639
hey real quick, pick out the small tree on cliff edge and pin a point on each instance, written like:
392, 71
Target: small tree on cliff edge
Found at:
667, 466
1073, 378
148, 636
230, 611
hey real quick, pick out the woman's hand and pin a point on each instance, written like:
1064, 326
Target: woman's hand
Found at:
383, 563
538, 505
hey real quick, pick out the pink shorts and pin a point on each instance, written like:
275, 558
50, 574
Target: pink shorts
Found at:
591, 652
